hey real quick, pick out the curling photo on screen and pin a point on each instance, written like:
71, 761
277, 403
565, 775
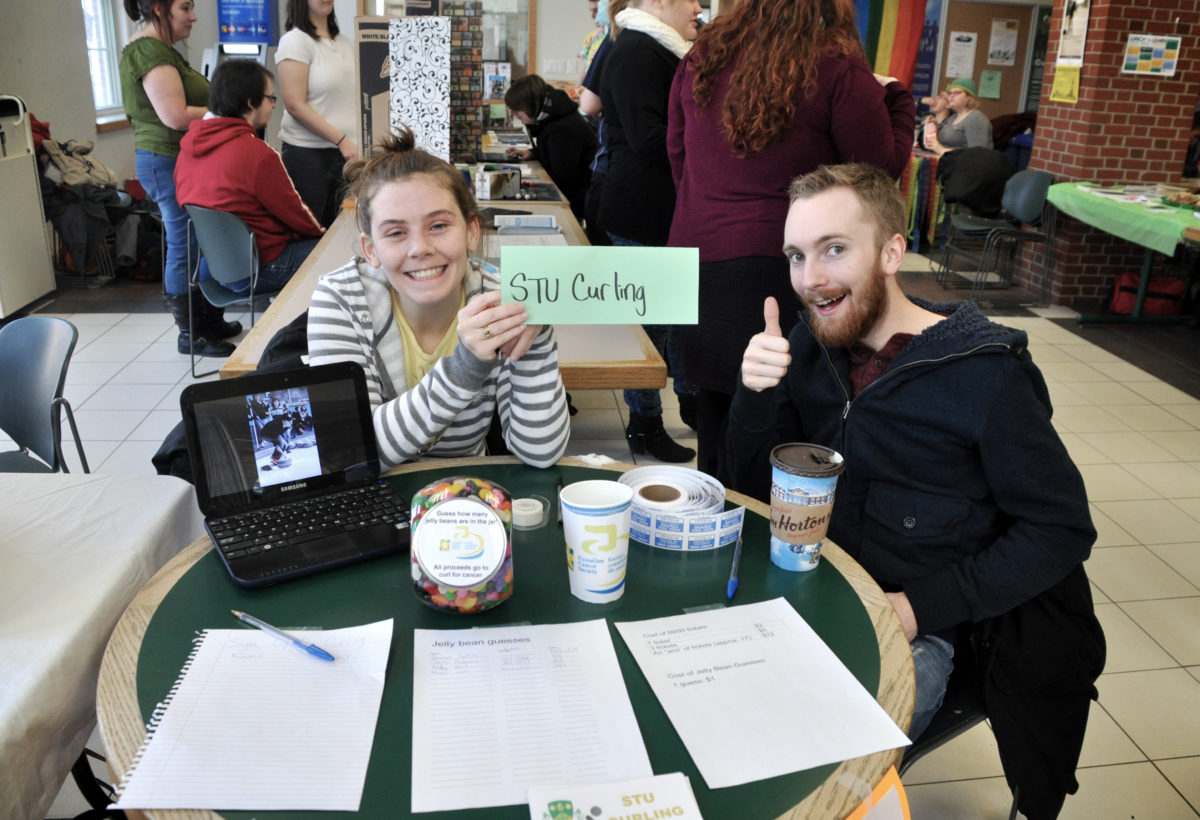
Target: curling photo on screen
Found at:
283, 436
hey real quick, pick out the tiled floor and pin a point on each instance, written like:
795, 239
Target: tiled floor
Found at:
1135, 437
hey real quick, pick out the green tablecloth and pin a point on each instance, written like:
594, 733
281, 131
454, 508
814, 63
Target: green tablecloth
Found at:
1158, 230
660, 583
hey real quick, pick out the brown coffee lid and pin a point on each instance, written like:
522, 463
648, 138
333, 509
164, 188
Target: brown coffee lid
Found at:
808, 460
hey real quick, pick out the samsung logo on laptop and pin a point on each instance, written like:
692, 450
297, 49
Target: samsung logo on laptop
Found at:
299, 485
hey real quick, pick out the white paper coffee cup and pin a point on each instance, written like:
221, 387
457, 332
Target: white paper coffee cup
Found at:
596, 527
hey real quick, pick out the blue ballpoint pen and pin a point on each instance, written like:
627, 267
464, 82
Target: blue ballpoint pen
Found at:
732, 586
310, 648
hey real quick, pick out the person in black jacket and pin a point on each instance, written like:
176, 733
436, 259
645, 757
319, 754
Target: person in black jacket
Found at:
639, 190
563, 140
958, 496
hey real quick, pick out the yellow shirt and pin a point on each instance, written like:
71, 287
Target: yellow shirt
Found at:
416, 361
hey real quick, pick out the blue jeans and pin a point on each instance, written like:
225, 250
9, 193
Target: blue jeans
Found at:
933, 661
273, 275
156, 173
666, 341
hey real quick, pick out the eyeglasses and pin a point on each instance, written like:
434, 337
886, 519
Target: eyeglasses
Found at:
954, 91
270, 97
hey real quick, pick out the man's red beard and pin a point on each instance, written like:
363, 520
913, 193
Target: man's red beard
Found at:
856, 316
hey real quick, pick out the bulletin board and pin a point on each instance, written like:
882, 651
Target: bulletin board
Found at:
964, 16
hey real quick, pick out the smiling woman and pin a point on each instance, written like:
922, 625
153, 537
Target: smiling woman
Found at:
424, 320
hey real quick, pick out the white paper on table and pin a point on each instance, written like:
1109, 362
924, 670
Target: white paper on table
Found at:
256, 724
754, 693
527, 704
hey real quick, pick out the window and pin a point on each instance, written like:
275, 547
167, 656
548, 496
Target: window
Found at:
104, 39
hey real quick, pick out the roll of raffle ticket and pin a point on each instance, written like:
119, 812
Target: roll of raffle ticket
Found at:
462, 544
680, 509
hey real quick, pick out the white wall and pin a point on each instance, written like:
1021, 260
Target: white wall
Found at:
43, 59
561, 27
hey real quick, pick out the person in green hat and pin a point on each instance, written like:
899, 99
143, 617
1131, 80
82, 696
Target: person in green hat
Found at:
966, 127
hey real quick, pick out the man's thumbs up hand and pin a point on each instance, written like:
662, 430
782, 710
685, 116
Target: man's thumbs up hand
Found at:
766, 358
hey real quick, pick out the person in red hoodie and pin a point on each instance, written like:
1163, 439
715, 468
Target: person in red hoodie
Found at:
225, 166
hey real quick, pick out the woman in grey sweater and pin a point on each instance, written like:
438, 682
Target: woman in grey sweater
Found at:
425, 322
966, 127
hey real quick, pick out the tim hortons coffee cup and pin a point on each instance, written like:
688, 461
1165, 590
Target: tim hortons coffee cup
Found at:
803, 480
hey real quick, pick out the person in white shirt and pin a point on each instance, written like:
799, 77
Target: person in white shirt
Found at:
315, 65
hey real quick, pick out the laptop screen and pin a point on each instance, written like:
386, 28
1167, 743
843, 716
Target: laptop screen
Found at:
272, 437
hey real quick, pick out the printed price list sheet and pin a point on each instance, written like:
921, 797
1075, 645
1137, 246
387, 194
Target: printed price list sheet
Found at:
754, 692
498, 710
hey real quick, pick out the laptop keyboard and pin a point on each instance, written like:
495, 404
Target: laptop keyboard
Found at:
292, 524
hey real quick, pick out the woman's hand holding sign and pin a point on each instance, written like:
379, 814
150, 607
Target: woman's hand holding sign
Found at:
766, 358
486, 327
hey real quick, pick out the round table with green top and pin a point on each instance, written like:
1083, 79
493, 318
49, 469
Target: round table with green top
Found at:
838, 599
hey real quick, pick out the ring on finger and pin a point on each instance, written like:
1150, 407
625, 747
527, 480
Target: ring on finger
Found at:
487, 332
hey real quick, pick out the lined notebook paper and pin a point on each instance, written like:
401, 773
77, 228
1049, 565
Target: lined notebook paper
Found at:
254, 723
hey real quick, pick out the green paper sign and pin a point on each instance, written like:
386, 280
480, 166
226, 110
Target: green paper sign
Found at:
989, 84
602, 286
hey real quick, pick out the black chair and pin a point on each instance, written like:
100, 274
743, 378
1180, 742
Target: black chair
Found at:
34, 354
231, 251
992, 243
962, 708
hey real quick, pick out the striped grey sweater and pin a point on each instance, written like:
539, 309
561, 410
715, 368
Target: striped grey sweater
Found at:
449, 411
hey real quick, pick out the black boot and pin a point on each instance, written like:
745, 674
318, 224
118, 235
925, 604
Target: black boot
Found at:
687, 410
212, 320
178, 305
646, 435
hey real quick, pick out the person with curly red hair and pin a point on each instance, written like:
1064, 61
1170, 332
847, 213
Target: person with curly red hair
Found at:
770, 91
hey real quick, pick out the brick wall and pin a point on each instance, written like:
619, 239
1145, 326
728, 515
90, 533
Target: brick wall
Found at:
1125, 128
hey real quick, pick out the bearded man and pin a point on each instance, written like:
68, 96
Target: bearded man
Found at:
958, 496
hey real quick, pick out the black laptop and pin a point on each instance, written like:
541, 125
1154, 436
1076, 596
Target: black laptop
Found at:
287, 473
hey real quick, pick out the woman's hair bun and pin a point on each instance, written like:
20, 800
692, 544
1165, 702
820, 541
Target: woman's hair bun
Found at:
400, 142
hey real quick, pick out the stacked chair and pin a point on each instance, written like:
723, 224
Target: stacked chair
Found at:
992, 243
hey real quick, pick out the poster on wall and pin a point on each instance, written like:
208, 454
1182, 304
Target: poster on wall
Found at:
1074, 33
244, 21
1066, 84
989, 84
1151, 54
1037, 63
1002, 48
960, 56
923, 72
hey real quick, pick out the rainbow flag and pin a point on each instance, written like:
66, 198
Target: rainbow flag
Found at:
891, 32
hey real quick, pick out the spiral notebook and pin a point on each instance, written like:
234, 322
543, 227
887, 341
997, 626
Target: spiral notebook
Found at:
255, 724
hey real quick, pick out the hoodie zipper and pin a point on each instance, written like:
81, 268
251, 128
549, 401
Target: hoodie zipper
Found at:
906, 366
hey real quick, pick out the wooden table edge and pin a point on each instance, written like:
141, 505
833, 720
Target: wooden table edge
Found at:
122, 731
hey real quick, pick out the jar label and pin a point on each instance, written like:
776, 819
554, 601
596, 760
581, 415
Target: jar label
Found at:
460, 542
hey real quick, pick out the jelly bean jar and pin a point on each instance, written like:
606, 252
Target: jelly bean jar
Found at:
462, 544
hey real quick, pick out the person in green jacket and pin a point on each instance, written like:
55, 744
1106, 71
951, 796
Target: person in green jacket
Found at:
162, 94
